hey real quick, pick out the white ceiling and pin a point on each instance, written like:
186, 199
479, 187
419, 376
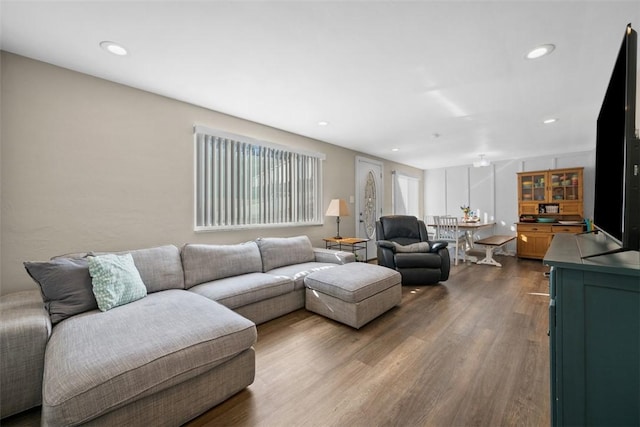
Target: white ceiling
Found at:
384, 74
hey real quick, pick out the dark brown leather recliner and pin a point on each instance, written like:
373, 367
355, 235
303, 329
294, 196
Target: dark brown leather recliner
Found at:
424, 266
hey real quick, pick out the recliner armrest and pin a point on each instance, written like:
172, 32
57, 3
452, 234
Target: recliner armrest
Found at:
386, 244
436, 245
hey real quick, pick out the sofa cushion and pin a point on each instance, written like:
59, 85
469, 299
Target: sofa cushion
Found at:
98, 361
160, 267
280, 251
413, 247
353, 282
418, 260
204, 263
297, 272
66, 286
404, 229
238, 291
333, 256
116, 280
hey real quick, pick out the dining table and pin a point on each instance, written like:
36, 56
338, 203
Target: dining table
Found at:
470, 228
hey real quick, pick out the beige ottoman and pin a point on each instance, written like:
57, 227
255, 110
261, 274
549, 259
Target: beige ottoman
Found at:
353, 293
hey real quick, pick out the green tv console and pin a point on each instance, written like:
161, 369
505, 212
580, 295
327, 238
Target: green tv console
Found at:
594, 329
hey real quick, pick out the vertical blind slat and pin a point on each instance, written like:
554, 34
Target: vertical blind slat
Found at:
239, 183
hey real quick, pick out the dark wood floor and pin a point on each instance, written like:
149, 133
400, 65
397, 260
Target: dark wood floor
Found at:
470, 352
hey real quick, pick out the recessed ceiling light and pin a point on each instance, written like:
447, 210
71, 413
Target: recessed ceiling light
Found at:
395, 149
540, 51
323, 123
114, 48
549, 121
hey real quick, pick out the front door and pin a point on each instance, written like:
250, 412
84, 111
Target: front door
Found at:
368, 201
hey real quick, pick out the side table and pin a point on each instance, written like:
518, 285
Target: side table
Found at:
354, 244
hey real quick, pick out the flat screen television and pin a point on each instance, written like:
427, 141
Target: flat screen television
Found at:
617, 188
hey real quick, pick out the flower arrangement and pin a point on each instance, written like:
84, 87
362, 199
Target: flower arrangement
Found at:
466, 210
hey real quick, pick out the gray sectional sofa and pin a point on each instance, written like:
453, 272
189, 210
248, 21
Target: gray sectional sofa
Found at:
159, 360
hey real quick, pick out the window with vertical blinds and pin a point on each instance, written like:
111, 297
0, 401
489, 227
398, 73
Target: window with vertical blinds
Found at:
241, 182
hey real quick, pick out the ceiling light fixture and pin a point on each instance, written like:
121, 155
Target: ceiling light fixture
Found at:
113, 47
540, 51
481, 163
395, 149
549, 121
323, 123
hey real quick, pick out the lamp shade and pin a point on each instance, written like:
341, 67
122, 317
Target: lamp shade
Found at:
338, 207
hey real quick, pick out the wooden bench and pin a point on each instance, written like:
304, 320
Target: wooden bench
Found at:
492, 243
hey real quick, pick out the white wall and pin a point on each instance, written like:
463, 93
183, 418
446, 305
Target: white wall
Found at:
92, 165
506, 198
457, 194
435, 184
493, 189
482, 192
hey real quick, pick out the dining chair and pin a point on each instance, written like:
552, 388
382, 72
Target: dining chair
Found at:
447, 230
430, 223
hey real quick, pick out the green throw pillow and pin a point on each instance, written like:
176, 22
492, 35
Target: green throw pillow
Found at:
116, 280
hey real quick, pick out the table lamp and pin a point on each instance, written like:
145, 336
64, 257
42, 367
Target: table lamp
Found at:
338, 208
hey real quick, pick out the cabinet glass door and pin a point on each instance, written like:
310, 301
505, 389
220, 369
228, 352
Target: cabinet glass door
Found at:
532, 187
565, 186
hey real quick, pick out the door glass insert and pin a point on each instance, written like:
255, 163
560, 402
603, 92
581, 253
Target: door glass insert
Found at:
369, 211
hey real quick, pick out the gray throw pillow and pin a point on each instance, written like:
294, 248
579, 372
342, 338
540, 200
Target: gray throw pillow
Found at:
413, 247
66, 286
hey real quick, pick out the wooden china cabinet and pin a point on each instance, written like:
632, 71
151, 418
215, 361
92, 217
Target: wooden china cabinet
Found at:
549, 202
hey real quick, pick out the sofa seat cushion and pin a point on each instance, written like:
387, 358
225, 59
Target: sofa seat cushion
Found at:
297, 272
98, 361
418, 260
238, 291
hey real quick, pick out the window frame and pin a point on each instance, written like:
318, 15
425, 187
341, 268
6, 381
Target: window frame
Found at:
288, 153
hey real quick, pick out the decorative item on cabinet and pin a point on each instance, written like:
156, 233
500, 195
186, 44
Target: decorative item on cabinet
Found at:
550, 208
